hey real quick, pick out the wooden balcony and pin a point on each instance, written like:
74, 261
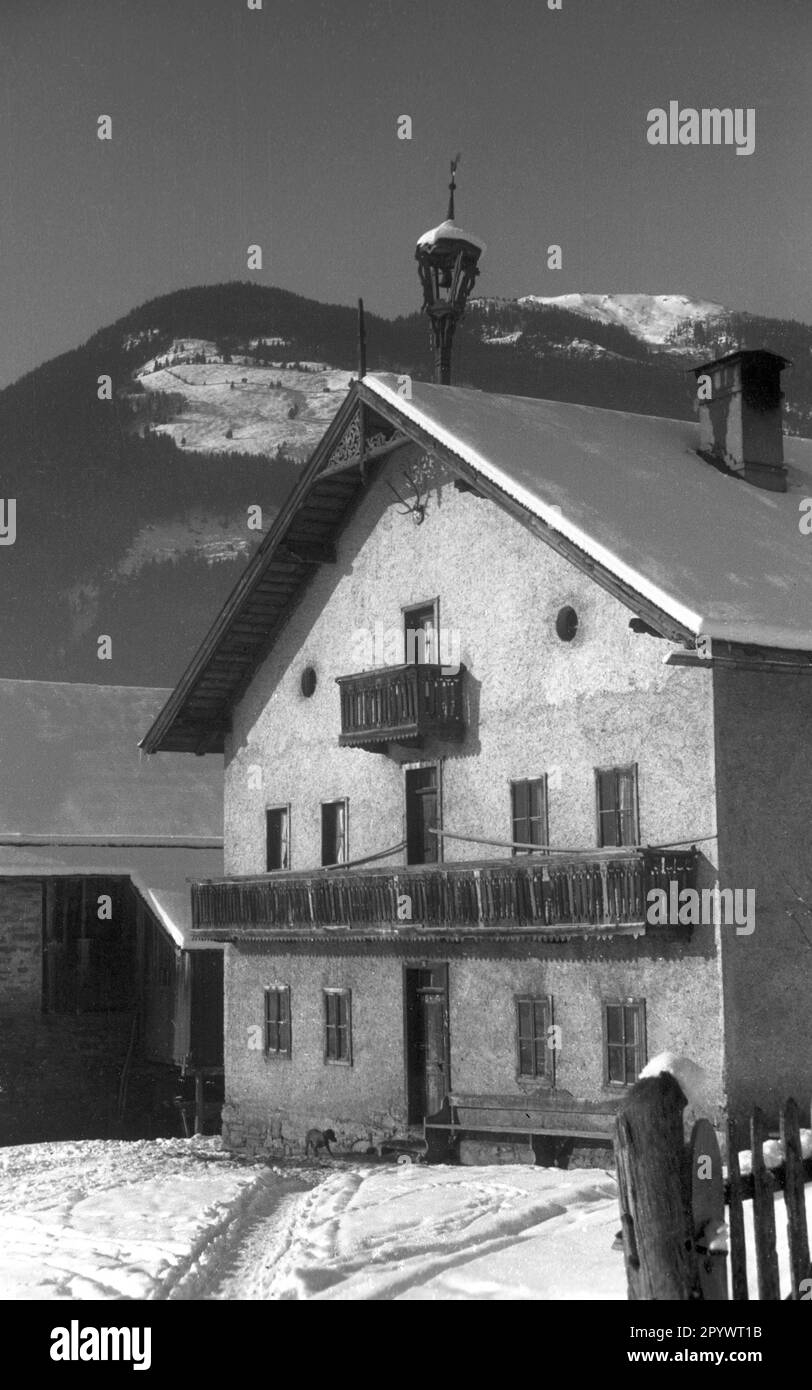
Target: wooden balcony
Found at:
557, 896
400, 704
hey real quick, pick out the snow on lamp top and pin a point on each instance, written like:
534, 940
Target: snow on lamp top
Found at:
449, 231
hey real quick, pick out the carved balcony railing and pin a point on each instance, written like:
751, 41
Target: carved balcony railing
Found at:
401, 704
590, 893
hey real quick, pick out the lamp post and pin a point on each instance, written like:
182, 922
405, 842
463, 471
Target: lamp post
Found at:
447, 260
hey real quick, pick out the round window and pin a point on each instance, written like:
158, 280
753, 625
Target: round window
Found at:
566, 624
308, 681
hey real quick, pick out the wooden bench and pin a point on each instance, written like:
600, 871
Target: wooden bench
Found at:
555, 1114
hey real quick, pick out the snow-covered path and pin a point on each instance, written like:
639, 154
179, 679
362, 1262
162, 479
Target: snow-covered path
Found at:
435, 1233
113, 1220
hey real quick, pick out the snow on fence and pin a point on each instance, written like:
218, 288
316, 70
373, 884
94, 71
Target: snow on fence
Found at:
673, 1199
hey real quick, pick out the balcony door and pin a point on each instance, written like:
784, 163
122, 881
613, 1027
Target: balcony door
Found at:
427, 1050
420, 635
422, 815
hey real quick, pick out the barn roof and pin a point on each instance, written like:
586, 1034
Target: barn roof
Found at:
626, 497
77, 796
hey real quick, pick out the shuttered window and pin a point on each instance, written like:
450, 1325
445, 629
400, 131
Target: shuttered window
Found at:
616, 789
337, 1026
624, 1040
533, 1038
277, 1021
529, 803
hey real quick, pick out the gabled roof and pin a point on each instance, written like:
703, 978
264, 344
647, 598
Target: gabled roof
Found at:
626, 497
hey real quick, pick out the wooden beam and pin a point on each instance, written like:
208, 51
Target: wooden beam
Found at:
309, 552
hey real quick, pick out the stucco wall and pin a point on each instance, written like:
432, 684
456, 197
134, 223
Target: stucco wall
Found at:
272, 1102
764, 771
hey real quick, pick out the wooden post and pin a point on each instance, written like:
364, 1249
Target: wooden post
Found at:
654, 1193
738, 1255
763, 1214
362, 347
794, 1198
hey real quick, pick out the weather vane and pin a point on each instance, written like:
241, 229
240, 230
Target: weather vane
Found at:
453, 184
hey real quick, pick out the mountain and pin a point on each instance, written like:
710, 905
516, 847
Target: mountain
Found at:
659, 319
135, 514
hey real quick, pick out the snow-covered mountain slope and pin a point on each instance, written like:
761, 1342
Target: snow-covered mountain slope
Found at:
241, 405
655, 318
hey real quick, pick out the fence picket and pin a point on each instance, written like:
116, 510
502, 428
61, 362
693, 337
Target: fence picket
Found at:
794, 1199
763, 1213
735, 1221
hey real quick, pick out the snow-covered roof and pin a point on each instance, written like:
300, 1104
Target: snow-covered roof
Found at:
72, 767
720, 556
77, 797
449, 231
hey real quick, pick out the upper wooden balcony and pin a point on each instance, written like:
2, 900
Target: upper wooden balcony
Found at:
557, 896
400, 704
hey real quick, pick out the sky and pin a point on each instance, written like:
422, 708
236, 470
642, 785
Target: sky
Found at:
279, 127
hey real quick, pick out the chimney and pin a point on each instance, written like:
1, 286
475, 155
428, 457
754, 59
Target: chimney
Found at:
739, 400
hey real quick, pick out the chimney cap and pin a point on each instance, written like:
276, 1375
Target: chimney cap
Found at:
764, 355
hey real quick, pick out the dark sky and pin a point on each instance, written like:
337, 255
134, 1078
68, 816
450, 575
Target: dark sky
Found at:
279, 126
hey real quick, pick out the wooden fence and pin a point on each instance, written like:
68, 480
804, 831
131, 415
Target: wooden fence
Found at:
675, 1205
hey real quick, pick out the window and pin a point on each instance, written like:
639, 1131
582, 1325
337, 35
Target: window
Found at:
529, 802
334, 845
277, 1021
624, 1040
533, 1036
337, 1026
277, 838
616, 791
566, 623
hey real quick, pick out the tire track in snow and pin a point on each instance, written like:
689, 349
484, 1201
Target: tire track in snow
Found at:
237, 1261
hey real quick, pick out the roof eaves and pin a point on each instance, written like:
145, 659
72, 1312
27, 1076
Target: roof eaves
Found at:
168, 715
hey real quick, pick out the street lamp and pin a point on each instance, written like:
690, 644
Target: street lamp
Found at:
447, 264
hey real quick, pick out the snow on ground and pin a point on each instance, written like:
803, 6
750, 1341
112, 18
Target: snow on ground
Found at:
452, 1233
181, 1219
97, 1219
243, 397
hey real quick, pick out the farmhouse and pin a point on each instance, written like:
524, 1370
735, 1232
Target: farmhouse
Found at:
436, 882
103, 999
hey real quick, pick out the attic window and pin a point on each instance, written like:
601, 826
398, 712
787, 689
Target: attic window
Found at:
566, 623
308, 681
